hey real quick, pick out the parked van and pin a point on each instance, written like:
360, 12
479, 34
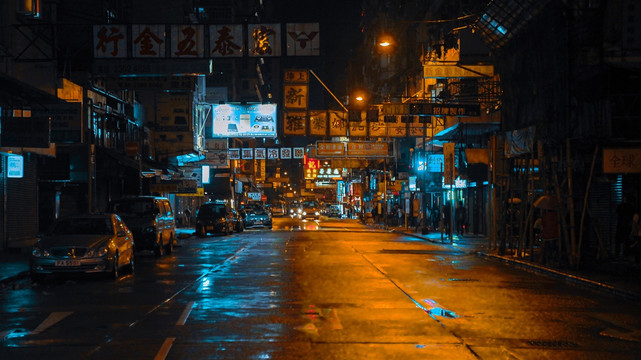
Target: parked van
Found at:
150, 219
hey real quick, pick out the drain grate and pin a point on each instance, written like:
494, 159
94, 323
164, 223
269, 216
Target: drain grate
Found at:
552, 343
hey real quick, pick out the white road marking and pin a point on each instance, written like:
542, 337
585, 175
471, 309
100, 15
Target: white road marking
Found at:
185, 314
52, 319
164, 349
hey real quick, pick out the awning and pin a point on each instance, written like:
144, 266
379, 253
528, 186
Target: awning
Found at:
16, 93
466, 132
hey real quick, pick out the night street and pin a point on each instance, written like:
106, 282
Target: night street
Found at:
344, 292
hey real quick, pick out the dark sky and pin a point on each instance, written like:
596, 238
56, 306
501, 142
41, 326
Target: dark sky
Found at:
340, 33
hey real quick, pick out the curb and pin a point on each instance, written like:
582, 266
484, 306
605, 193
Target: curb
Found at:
12, 278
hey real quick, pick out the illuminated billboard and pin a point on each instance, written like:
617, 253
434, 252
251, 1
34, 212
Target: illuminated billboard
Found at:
251, 120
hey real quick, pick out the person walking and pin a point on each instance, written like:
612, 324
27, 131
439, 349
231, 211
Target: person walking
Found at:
625, 211
460, 216
447, 211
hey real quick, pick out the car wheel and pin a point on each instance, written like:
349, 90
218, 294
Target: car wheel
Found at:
159, 249
132, 267
200, 231
115, 271
38, 278
170, 247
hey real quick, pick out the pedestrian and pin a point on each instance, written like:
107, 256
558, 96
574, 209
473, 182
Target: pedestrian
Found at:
635, 239
460, 216
435, 216
187, 217
447, 216
625, 211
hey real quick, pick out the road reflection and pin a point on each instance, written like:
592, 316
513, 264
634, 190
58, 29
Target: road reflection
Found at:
290, 224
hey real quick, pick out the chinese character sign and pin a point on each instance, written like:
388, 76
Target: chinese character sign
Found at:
247, 154
187, 41
337, 123
226, 40
296, 76
295, 96
263, 40
148, 41
110, 41
294, 123
448, 163
318, 123
303, 39
234, 154
272, 153
621, 161
299, 153
260, 153
285, 153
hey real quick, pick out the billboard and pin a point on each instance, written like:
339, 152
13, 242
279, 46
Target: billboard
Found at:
250, 120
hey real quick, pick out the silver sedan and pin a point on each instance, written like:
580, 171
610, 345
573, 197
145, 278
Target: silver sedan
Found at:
100, 243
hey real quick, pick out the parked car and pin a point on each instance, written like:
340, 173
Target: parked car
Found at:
239, 220
278, 210
257, 215
151, 219
215, 217
83, 244
334, 211
310, 210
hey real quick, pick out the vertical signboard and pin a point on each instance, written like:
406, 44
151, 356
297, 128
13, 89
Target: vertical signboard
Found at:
448, 163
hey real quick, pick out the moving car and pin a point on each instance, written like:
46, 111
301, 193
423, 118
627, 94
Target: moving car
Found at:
257, 215
83, 244
215, 217
310, 210
151, 219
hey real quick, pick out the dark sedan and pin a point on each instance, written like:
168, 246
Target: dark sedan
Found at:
215, 218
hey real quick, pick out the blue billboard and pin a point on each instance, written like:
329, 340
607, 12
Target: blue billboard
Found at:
250, 120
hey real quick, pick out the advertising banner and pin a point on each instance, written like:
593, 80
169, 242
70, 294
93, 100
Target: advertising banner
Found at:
251, 120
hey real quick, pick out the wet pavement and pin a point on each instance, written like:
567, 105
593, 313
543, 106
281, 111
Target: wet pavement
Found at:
620, 278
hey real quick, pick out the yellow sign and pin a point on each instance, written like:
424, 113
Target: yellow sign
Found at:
295, 96
621, 161
199, 192
457, 71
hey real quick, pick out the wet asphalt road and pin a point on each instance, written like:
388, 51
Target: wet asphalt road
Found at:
345, 292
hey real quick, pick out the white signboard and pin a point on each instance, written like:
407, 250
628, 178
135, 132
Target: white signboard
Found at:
15, 166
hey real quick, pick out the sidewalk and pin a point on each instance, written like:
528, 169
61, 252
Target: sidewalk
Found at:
620, 278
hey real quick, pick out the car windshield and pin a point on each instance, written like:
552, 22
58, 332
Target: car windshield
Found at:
255, 209
71, 226
212, 210
133, 207
310, 204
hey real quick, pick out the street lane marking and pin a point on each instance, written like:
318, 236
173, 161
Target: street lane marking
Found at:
185, 314
51, 320
164, 349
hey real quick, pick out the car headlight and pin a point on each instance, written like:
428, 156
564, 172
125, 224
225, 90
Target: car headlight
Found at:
101, 251
317, 213
304, 212
37, 252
